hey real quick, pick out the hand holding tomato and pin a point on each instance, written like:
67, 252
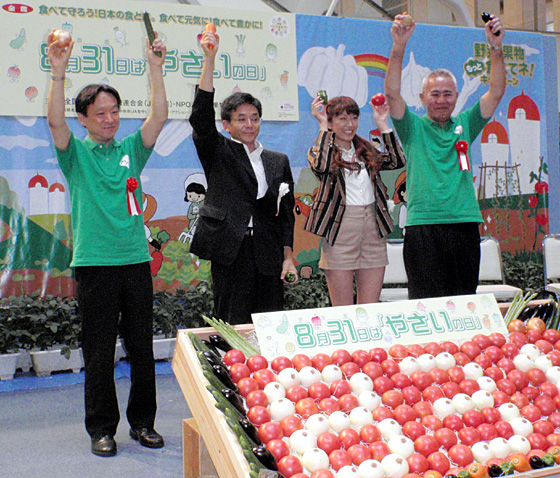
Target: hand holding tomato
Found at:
378, 99
60, 46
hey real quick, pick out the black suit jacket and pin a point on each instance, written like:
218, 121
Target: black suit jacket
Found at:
231, 196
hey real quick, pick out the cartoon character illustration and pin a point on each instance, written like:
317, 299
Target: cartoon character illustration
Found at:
316, 321
149, 206
283, 327
14, 73
18, 42
195, 192
31, 93
271, 52
120, 35
305, 272
401, 196
272, 345
240, 47
284, 79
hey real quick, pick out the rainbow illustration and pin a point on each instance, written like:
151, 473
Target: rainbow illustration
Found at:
375, 65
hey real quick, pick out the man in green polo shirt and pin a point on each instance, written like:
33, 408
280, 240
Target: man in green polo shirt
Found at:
111, 260
442, 241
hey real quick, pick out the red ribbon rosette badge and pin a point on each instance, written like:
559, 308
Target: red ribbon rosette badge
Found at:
462, 147
131, 186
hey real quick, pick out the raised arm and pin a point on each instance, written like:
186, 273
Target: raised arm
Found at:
320, 155
208, 39
396, 158
56, 101
158, 113
400, 35
490, 100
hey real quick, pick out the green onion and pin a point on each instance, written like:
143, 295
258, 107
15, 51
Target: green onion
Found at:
517, 305
233, 337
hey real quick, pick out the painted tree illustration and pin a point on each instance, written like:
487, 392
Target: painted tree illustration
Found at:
21, 279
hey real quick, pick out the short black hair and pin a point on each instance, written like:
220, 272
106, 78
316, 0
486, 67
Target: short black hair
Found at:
232, 102
89, 94
196, 188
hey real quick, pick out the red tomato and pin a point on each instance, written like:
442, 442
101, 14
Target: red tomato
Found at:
432, 393
536, 323
554, 418
411, 395
418, 463
329, 405
306, 407
536, 376
400, 380
553, 439
238, 371
257, 362
234, 356
289, 465
495, 353
506, 386
509, 350
538, 441
421, 379
328, 442
349, 437
500, 397
519, 379
270, 431
382, 384
320, 361
256, 397
468, 436
300, 361
370, 433
413, 430
290, 424
482, 341
278, 448
433, 348
473, 418
554, 356
258, 415
519, 339
455, 423
349, 368
461, 358
487, 432
62, 37
461, 455
392, 398
494, 373
264, 376
341, 356
516, 325
379, 354
398, 352
379, 450
446, 437
470, 349
506, 364
296, 393
549, 389
246, 385
544, 427
415, 350
545, 404
360, 357
390, 367
497, 339
319, 391
450, 389
280, 363
449, 347
359, 453
381, 413
423, 409
378, 99
491, 415
531, 412
438, 376
544, 346
322, 474
404, 413
348, 402
340, 387
504, 429
456, 374
339, 458
439, 462
431, 422
484, 360
426, 445
469, 386
372, 370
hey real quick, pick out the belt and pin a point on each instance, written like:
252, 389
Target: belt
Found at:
249, 231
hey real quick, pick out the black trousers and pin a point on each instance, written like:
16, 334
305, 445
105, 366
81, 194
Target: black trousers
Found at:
241, 290
442, 259
111, 299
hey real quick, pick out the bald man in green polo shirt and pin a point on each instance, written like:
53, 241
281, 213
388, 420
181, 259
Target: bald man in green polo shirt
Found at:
111, 259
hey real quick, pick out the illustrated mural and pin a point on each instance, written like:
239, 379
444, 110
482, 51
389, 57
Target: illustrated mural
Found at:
512, 161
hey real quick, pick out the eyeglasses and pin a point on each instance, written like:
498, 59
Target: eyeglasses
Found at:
246, 120
448, 95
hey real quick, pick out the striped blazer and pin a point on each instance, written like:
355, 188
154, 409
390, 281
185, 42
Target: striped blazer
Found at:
329, 202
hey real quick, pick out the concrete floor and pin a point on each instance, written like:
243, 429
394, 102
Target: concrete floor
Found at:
42, 434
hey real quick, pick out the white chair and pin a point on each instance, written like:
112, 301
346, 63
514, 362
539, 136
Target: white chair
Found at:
395, 273
551, 261
491, 270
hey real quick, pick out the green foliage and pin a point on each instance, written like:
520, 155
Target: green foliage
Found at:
524, 270
307, 293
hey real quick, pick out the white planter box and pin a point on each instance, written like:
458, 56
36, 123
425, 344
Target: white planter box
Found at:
164, 348
24, 361
47, 361
8, 366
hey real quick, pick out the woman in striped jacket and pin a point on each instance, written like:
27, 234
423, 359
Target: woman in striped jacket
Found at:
350, 207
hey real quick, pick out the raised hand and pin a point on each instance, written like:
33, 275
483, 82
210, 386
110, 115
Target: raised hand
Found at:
401, 31
319, 110
158, 45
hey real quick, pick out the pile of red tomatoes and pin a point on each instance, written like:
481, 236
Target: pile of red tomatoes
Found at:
426, 411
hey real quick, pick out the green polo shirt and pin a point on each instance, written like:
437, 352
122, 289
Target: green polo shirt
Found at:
438, 191
105, 234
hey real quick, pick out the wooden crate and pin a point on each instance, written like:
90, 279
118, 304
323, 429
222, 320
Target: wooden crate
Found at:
220, 441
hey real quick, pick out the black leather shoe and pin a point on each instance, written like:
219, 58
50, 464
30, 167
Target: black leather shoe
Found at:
147, 437
104, 445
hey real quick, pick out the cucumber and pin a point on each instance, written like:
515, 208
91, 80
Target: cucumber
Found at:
197, 343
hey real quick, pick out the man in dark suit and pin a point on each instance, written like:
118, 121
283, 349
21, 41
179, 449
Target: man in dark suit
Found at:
246, 225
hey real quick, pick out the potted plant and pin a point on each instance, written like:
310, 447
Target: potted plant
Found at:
9, 350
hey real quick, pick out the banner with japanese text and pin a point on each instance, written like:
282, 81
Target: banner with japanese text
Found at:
257, 54
365, 326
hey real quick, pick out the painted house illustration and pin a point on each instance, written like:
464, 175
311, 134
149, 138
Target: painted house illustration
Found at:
44, 199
